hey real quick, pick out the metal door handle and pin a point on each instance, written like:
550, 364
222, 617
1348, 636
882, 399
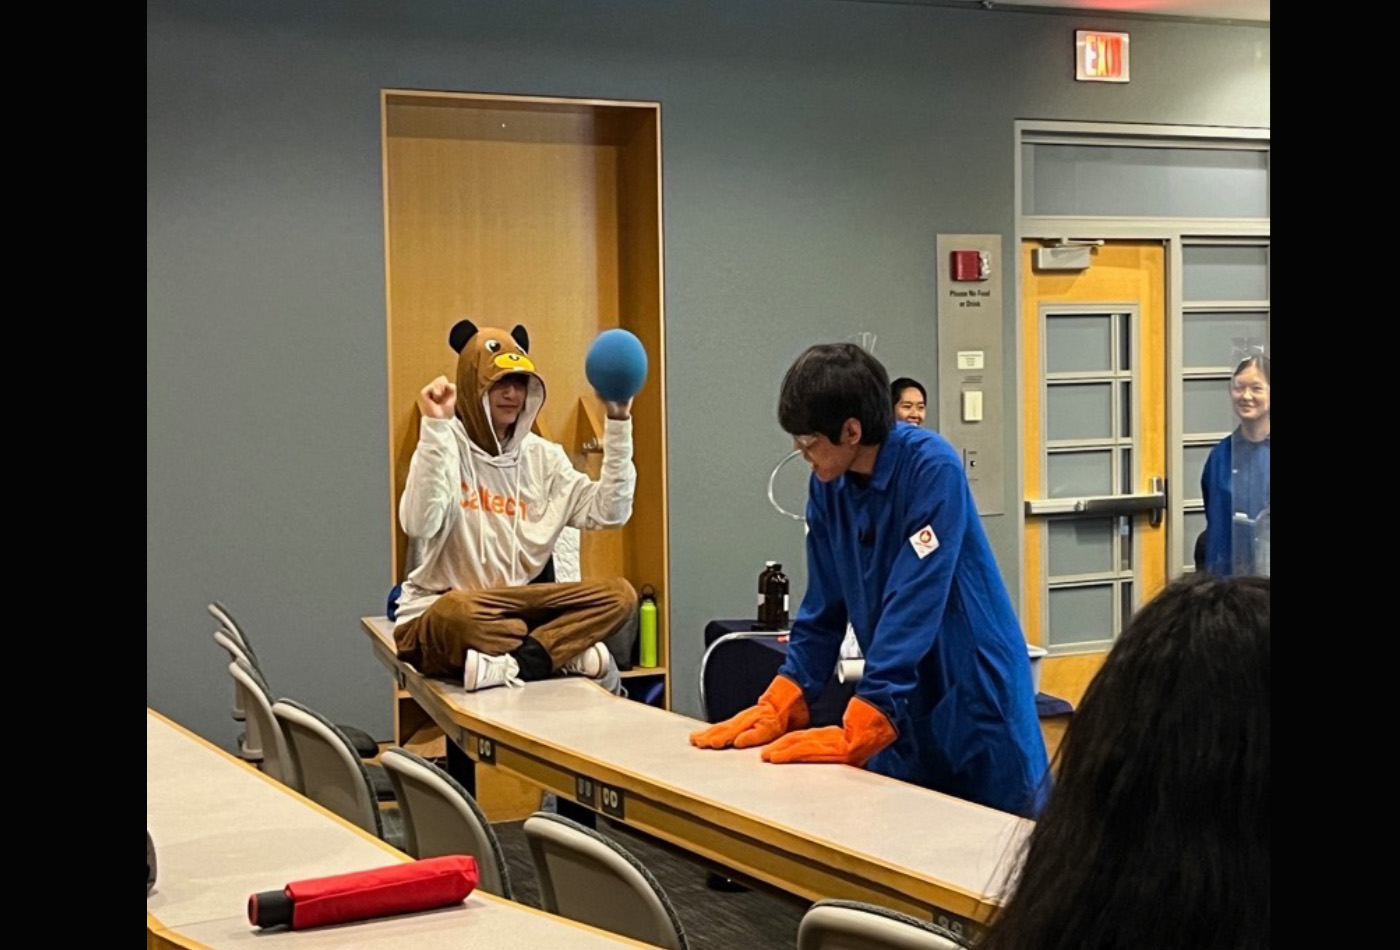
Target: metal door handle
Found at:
1153, 502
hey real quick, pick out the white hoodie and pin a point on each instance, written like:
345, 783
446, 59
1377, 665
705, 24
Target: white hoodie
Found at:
492, 521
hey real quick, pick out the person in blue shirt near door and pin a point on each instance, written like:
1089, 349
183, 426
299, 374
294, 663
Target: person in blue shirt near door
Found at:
896, 547
1235, 480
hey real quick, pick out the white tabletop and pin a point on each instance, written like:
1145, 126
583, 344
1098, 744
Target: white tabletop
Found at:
482, 922
223, 831
888, 822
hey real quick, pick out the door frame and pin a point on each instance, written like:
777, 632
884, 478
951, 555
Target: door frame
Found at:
1173, 232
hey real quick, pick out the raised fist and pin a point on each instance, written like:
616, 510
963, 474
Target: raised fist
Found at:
438, 399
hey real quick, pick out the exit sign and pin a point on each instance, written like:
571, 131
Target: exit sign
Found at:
1100, 57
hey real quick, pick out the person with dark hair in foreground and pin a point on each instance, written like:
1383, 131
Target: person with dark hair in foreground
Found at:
895, 546
1156, 835
910, 400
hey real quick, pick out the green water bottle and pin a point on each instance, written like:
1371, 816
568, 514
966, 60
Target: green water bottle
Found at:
646, 633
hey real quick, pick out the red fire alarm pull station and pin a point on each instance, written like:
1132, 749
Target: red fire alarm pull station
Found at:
971, 265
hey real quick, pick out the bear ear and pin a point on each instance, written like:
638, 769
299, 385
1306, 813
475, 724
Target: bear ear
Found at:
522, 337
461, 333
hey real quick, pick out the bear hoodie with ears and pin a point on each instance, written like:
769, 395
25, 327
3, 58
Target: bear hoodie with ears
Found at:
484, 357
489, 512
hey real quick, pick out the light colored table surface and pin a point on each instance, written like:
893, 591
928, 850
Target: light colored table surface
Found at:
223, 830
938, 851
482, 922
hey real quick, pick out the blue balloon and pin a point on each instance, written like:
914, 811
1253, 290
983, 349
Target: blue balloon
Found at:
616, 365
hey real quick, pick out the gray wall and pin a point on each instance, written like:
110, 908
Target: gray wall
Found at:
812, 151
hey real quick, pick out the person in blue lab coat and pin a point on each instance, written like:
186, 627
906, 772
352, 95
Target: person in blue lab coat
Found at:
896, 547
1235, 481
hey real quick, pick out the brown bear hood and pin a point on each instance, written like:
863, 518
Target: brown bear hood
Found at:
485, 356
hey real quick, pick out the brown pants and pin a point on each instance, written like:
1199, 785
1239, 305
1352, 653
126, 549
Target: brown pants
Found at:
566, 619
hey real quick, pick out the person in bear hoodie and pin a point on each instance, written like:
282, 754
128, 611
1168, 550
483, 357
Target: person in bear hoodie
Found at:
487, 499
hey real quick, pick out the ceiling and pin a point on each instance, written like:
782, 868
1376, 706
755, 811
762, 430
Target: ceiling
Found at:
1251, 11
1254, 10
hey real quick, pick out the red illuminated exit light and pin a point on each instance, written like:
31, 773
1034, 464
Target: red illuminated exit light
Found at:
1100, 57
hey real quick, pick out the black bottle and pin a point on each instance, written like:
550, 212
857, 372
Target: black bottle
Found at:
773, 597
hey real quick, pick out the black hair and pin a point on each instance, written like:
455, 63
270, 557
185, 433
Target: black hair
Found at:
1156, 834
520, 379
830, 383
1259, 361
904, 382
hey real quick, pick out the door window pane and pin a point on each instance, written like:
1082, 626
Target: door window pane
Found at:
1224, 273
1194, 462
1081, 546
1205, 406
1209, 339
1079, 411
1079, 344
1134, 181
1079, 473
1081, 614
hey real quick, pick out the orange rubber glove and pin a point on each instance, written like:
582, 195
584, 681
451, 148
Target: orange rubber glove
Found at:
864, 730
780, 709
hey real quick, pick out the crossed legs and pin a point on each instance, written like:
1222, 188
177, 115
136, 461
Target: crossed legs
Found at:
542, 625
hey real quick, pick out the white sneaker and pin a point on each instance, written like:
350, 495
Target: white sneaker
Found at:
482, 672
593, 663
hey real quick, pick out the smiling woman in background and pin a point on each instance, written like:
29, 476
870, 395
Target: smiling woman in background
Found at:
1235, 481
910, 400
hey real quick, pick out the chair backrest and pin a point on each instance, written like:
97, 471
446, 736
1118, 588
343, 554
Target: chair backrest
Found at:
589, 878
234, 651
329, 771
225, 620
250, 747
853, 925
276, 757
232, 646
441, 817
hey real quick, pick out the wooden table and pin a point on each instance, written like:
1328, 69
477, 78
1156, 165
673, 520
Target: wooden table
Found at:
819, 831
223, 830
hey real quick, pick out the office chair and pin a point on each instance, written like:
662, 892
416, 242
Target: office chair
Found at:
589, 878
441, 817
332, 774
853, 925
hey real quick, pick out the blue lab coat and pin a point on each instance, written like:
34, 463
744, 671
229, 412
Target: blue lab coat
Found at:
945, 658
1235, 486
